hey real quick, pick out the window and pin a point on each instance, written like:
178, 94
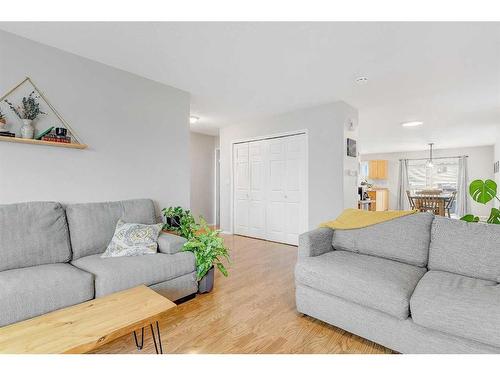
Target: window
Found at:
443, 176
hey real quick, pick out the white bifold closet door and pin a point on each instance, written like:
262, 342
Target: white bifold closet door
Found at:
270, 188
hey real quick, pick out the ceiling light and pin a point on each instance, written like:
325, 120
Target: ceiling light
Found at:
193, 119
411, 124
361, 80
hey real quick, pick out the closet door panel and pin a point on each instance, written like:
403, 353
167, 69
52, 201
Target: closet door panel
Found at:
257, 201
241, 188
276, 190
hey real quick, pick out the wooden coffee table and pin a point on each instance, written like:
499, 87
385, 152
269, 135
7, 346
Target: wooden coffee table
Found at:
89, 325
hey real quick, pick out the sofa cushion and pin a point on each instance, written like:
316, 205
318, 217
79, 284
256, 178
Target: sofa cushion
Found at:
33, 291
458, 305
33, 233
469, 249
92, 225
115, 274
373, 282
405, 239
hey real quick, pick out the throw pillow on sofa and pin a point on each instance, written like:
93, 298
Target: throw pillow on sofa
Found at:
133, 240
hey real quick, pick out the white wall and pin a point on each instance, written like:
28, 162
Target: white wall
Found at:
325, 126
480, 166
203, 175
137, 131
351, 164
496, 158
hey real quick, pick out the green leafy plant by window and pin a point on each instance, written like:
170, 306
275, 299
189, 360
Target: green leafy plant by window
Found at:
180, 221
29, 108
483, 192
208, 249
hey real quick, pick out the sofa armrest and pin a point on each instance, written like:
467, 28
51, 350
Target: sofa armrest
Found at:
170, 243
315, 242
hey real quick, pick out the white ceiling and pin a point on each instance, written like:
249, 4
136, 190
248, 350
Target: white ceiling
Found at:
444, 74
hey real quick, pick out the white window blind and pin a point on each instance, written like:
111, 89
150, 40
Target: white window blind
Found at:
444, 174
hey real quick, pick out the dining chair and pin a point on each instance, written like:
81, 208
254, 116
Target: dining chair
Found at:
449, 203
430, 204
410, 199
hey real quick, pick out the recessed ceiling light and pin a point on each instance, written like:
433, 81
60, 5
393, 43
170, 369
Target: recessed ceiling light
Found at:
193, 119
411, 124
361, 80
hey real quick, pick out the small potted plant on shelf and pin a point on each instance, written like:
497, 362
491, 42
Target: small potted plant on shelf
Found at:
28, 111
209, 251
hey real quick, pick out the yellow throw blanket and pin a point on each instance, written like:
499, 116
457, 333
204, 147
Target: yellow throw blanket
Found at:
352, 218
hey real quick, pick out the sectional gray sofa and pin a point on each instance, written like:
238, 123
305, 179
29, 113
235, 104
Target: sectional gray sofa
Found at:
417, 284
50, 257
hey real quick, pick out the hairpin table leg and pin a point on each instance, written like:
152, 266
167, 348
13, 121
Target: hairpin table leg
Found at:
159, 345
139, 347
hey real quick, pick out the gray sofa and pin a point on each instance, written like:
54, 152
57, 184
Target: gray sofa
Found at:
50, 257
417, 284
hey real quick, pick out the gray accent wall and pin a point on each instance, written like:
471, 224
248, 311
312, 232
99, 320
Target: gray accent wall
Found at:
137, 131
325, 125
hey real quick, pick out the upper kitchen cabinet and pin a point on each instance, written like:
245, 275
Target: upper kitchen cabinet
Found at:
377, 169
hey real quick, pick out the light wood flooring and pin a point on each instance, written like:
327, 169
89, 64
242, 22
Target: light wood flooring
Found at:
251, 311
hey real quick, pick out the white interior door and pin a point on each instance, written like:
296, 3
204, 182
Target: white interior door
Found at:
276, 191
241, 189
270, 180
257, 186
286, 211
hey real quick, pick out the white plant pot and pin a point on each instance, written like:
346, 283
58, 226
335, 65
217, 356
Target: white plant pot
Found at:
27, 130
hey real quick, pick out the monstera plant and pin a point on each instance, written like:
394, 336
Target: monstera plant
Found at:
484, 192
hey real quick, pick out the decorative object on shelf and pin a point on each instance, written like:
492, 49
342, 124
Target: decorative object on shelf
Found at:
47, 131
3, 126
483, 192
3, 122
61, 132
27, 111
351, 148
30, 110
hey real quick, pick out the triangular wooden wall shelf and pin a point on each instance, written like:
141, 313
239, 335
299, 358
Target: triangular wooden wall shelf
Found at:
77, 144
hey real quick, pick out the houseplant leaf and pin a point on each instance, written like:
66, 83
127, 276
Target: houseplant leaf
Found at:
494, 216
470, 218
483, 191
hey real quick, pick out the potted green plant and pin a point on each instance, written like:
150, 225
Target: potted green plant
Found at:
28, 111
484, 192
180, 221
209, 251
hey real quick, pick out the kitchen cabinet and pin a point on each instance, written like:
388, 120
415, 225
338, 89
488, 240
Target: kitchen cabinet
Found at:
378, 169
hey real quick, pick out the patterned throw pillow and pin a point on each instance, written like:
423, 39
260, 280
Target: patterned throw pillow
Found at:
133, 239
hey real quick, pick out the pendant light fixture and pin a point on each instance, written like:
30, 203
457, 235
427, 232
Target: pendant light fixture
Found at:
430, 163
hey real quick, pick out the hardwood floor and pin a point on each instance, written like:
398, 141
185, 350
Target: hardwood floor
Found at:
251, 311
